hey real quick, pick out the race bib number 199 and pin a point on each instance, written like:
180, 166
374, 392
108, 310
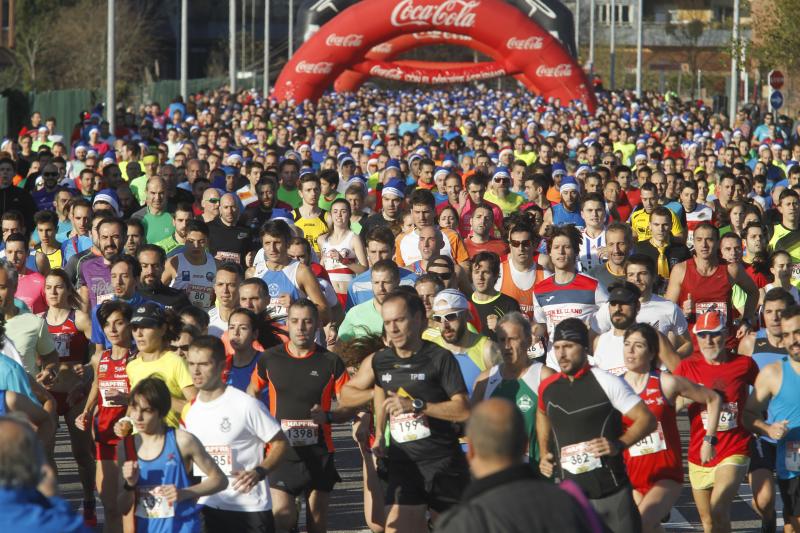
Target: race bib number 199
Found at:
409, 427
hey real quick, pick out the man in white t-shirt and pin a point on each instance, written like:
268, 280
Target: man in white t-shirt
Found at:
233, 427
659, 312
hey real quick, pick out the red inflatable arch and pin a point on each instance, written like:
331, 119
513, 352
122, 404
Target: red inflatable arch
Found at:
350, 80
345, 41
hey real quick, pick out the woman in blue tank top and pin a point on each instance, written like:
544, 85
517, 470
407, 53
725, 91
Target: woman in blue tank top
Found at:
155, 464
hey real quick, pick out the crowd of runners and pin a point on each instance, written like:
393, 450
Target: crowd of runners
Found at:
509, 300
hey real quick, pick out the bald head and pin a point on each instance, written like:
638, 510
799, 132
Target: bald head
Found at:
228, 209
496, 432
21, 455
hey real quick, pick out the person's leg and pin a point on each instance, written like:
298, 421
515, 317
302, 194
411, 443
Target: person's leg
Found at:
317, 511
618, 512
657, 503
702, 500
82, 450
373, 495
727, 478
107, 485
284, 510
406, 519
763, 486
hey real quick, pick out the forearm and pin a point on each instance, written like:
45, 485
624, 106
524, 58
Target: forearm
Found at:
451, 410
641, 427
354, 397
210, 485
277, 451
543, 433
684, 346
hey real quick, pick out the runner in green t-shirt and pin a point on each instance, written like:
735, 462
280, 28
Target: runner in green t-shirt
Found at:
516, 378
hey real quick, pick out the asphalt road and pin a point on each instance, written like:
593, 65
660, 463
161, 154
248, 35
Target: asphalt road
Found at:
346, 513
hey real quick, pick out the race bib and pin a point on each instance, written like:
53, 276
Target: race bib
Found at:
151, 504
409, 427
62, 345
301, 432
618, 371
227, 257
222, 455
727, 417
104, 297
652, 443
701, 308
576, 459
278, 308
108, 385
792, 457
795, 270
200, 295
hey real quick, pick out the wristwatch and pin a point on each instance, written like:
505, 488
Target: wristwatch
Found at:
418, 404
261, 471
711, 439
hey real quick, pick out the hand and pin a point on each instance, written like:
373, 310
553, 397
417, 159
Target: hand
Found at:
546, 464
688, 305
778, 430
379, 447
602, 446
130, 472
396, 405
743, 330
83, 421
318, 415
331, 335
46, 377
361, 430
602, 252
171, 493
491, 321
123, 427
245, 481
117, 397
707, 452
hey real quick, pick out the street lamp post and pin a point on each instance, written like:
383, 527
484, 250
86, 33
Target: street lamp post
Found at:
612, 46
639, 34
232, 44
111, 97
184, 49
733, 104
266, 48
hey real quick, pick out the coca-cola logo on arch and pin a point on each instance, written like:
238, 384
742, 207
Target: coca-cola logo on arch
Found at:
558, 71
353, 40
529, 43
323, 67
452, 13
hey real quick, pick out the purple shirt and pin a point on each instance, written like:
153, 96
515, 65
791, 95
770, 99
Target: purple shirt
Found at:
96, 275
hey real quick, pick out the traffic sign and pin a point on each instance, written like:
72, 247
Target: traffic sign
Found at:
775, 78
776, 99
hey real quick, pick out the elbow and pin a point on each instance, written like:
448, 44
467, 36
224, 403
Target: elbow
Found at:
222, 483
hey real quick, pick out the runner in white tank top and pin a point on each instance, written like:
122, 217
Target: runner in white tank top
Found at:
342, 255
197, 281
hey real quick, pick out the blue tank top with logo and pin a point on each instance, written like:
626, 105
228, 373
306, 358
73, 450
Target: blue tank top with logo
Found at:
153, 513
563, 217
784, 406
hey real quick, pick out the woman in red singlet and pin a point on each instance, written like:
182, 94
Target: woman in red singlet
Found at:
109, 393
71, 329
654, 464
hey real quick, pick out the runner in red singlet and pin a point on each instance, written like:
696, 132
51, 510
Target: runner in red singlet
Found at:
704, 283
654, 464
70, 328
109, 393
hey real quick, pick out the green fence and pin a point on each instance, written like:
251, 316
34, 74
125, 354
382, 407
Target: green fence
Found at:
67, 105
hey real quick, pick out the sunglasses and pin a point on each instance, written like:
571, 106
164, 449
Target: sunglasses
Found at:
712, 334
444, 275
517, 244
213, 200
182, 347
449, 317
501, 180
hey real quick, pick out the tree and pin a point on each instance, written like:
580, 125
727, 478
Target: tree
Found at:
775, 36
33, 44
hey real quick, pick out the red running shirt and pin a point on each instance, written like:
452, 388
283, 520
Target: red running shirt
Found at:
731, 380
657, 456
71, 344
708, 292
111, 374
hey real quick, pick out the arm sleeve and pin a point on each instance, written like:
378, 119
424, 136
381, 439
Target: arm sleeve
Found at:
450, 376
601, 321
617, 389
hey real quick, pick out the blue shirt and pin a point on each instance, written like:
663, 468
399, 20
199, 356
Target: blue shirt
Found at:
29, 510
14, 378
360, 289
98, 336
74, 245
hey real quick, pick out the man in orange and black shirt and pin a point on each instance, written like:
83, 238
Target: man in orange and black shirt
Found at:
302, 378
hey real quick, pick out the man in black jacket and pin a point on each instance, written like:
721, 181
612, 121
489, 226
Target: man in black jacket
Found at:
13, 198
506, 495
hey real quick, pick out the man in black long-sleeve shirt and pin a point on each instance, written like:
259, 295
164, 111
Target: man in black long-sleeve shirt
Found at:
14, 198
